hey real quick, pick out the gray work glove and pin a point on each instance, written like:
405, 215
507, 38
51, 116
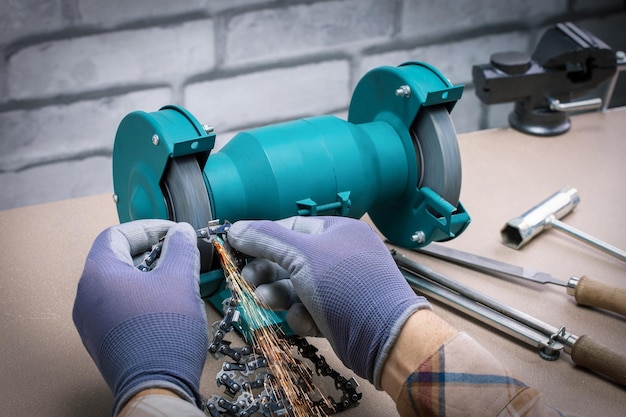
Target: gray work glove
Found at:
343, 283
144, 329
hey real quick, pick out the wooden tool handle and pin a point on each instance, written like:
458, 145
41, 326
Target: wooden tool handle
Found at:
590, 292
593, 355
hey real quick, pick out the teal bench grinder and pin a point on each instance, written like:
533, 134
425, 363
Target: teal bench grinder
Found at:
396, 158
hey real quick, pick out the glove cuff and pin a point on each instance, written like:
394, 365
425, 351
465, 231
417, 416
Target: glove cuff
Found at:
152, 383
394, 331
164, 350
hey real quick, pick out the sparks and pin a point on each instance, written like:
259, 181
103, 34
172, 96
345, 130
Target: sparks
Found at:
292, 380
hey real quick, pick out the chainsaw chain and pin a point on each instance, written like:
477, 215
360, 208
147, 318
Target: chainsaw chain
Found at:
349, 395
249, 371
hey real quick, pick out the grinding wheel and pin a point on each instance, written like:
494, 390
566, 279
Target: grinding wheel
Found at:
437, 153
187, 200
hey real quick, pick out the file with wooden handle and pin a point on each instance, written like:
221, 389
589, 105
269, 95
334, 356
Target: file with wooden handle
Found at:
585, 290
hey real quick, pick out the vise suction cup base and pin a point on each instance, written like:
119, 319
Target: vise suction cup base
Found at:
538, 121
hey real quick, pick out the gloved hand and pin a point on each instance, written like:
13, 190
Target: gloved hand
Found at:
341, 275
144, 329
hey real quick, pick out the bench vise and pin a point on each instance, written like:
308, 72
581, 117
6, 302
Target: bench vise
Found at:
568, 62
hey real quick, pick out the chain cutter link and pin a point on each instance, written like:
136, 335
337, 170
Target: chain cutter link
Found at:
247, 372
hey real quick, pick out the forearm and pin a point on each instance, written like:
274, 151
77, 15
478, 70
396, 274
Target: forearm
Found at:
435, 370
422, 335
158, 402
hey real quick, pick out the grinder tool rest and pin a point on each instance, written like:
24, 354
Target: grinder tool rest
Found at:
396, 158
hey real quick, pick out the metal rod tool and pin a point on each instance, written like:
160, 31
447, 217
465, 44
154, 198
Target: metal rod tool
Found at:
521, 230
585, 290
550, 340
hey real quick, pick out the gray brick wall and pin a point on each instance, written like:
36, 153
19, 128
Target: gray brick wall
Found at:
71, 69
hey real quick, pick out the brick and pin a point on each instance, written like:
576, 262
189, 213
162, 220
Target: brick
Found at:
454, 59
445, 16
58, 181
63, 132
302, 28
267, 96
220, 6
29, 17
146, 56
370, 62
115, 12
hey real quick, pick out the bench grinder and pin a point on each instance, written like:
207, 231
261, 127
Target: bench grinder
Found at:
396, 158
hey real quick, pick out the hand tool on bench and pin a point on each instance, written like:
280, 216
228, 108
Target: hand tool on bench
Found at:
519, 231
550, 340
585, 290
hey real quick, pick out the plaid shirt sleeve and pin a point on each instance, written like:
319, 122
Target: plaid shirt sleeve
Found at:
464, 379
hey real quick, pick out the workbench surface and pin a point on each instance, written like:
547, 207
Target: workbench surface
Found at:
47, 372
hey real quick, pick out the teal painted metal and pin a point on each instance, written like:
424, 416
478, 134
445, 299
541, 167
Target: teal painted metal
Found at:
314, 166
144, 143
321, 165
375, 99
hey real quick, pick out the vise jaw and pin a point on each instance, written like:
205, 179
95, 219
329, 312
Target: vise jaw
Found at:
568, 62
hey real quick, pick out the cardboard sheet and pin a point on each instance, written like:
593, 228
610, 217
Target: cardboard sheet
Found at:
47, 372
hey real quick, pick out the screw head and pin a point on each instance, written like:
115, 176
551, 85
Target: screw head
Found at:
403, 91
116, 199
418, 237
155, 140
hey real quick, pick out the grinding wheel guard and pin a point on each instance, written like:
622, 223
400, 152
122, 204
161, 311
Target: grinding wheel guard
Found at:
396, 158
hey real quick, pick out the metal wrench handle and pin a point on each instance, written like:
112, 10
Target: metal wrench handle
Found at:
584, 237
519, 231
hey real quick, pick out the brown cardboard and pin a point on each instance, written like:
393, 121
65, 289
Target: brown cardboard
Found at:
46, 370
